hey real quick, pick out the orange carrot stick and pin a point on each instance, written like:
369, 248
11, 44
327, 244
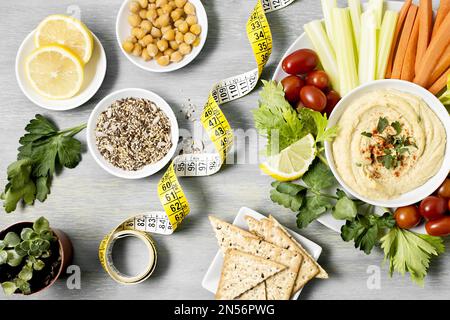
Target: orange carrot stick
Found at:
444, 9
425, 15
403, 44
440, 84
398, 30
443, 64
435, 50
408, 69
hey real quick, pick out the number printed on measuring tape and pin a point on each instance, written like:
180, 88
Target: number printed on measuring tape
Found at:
170, 192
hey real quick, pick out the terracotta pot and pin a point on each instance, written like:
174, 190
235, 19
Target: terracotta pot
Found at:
65, 249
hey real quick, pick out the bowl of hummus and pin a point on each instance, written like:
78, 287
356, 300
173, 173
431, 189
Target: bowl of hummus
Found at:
393, 144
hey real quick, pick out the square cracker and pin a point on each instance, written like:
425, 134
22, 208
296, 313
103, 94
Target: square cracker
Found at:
256, 293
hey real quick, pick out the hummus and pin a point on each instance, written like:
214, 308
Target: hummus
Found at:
389, 143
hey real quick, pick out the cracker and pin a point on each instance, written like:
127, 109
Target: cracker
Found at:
256, 293
242, 271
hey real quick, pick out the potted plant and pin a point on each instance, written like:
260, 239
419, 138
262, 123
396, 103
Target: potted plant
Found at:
32, 256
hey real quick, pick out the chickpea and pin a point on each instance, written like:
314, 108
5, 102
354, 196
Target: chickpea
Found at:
132, 39
163, 61
165, 29
184, 49
160, 11
174, 45
180, 3
176, 57
152, 6
167, 8
134, 20
160, 3
143, 14
151, 1
134, 6
152, 14
189, 8
196, 29
196, 42
146, 26
152, 50
156, 33
164, 20
162, 44
177, 23
191, 20
138, 33
176, 14
169, 35
143, 3
183, 27
128, 46
179, 37
189, 38
147, 40
172, 4
146, 56
137, 51
158, 55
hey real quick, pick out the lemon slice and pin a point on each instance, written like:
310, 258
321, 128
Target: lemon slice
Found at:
67, 31
293, 162
55, 72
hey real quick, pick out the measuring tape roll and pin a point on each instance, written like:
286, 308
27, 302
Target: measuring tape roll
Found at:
171, 195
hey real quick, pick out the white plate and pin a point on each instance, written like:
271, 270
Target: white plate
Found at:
212, 277
279, 74
105, 103
123, 31
94, 73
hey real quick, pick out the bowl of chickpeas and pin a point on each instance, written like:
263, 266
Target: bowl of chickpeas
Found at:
161, 35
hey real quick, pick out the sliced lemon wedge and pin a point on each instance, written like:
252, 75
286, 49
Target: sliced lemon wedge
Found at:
293, 162
67, 31
55, 72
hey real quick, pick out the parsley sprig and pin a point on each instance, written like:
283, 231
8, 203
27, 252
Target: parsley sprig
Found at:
43, 149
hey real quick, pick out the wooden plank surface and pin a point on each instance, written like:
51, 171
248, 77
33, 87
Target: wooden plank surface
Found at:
87, 202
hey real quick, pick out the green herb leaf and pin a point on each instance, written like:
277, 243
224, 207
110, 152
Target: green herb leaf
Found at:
9, 288
366, 134
41, 225
382, 125
3, 257
26, 273
313, 208
397, 126
13, 258
11, 239
345, 209
319, 177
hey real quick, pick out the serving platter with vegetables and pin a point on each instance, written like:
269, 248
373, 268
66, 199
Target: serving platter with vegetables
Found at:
351, 47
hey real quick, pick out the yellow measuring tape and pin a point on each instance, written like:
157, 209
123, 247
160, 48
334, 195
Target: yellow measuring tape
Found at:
171, 195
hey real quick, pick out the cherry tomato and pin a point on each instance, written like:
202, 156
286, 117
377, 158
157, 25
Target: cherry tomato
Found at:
439, 227
407, 217
449, 204
433, 208
313, 98
292, 86
300, 62
332, 100
318, 79
444, 190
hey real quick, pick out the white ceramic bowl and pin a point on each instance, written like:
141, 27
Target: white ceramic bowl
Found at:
433, 183
123, 31
94, 74
103, 105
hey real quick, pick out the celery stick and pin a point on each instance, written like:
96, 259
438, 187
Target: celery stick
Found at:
327, 8
385, 42
368, 48
355, 13
377, 6
345, 50
317, 35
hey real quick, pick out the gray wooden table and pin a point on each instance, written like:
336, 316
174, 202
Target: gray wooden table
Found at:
87, 202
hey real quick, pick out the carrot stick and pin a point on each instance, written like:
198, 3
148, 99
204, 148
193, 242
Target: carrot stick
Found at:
443, 64
425, 15
398, 30
408, 69
435, 50
440, 84
403, 44
444, 9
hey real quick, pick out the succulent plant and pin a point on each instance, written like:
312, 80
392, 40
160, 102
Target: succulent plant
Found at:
27, 251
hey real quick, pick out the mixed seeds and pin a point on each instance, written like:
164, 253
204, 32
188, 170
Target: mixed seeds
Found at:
133, 133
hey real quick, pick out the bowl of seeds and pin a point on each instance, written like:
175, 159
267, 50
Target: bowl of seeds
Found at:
132, 133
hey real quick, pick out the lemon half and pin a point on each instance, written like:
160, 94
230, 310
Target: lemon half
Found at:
67, 31
293, 162
55, 72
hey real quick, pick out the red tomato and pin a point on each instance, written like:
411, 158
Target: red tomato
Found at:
332, 100
407, 217
444, 190
300, 62
433, 208
318, 79
313, 98
292, 86
439, 228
